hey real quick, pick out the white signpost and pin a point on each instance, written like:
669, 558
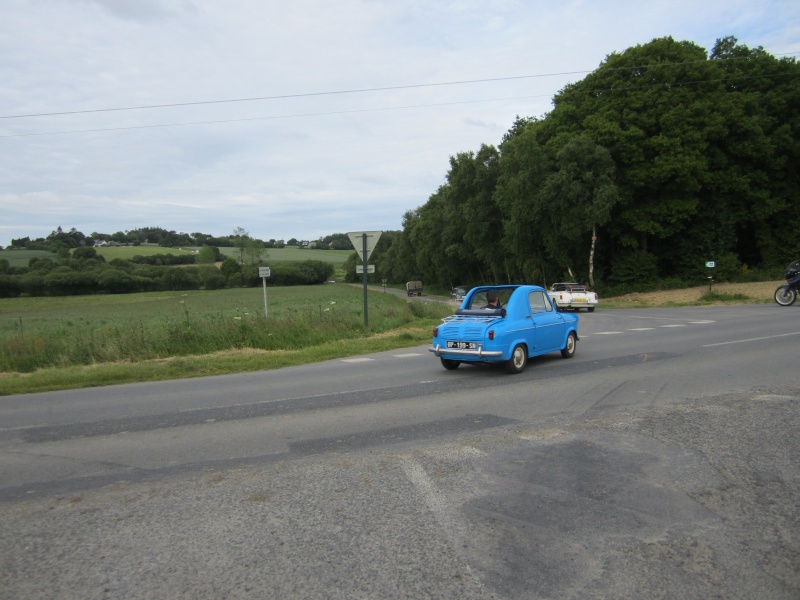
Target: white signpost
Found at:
263, 272
364, 242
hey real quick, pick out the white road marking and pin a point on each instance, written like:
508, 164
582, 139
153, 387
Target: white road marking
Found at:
674, 325
407, 355
700, 322
607, 332
758, 339
454, 527
642, 329
357, 360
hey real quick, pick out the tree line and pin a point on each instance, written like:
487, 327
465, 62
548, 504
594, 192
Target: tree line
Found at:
664, 159
60, 240
661, 160
83, 271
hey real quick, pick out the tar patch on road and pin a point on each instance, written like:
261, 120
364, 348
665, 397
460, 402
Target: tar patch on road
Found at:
691, 500
397, 435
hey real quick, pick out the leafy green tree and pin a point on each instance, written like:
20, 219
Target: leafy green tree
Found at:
207, 255
9, 286
116, 281
231, 269
211, 278
477, 218
63, 281
433, 238
32, 284
524, 168
250, 251
759, 153
397, 263
60, 238
179, 278
41, 264
635, 270
646, 107
85, 253
578, 197
338, 241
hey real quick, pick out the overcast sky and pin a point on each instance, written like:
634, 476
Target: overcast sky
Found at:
294, 119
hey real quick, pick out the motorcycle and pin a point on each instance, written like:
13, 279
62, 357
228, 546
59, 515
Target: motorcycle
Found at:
786, 294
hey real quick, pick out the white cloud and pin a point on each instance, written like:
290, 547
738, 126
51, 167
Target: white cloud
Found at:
312, 162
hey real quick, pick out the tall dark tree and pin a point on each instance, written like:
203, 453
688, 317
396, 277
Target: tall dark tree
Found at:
524, 168
578, 197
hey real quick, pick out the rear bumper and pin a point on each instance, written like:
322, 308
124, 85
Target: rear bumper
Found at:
479, 353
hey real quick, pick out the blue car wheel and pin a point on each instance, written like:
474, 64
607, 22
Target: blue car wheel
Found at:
568, 351
519, 358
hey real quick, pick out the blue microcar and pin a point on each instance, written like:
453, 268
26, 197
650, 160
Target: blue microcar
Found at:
523, 324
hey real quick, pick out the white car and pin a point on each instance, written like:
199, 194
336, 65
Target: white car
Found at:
573, 295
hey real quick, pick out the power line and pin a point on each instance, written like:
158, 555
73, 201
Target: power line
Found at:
616, 89
292, 116
352, 91
286, 96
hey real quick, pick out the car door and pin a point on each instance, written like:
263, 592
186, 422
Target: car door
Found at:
547, 322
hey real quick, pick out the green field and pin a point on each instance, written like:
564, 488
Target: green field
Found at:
295, 254
20, 258
287, 254
79, 341
128, 252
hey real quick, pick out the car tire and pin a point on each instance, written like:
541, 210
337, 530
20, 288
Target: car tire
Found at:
568, 351
590, 309
519, 358
450, 365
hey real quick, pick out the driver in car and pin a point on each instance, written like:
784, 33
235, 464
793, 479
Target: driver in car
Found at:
492, 299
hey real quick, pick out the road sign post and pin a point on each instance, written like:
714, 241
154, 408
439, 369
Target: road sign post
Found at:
710, 264
263, 272
364, 243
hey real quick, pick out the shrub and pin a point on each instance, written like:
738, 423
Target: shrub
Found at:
636, 269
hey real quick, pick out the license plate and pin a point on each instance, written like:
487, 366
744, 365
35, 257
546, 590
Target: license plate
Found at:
579, 300
462, 345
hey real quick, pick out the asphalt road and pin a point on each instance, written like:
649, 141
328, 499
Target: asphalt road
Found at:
660, 462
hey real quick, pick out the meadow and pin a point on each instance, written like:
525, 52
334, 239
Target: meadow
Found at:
20, 258
79, 341
286, 254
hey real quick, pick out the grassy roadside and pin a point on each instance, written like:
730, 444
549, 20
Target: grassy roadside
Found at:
75, 342
218, 363
388, 332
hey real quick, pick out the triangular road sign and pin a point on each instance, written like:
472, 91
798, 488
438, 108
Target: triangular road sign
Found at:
357, 239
